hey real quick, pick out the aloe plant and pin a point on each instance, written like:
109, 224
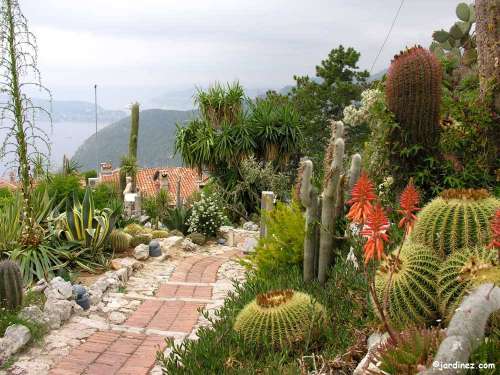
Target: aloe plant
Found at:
84, 224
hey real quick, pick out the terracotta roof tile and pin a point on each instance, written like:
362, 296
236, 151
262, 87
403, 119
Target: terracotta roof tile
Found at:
147, 186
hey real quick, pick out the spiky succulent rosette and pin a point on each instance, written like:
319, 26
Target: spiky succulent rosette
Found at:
463, 271
281, 318
458, 218
412, 291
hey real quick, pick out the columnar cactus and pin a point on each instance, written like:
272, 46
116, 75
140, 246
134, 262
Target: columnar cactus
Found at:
11, 285
413, 94
120, 241
458, 218
332, 203
412, 288
134, 138
282, 318
463, 271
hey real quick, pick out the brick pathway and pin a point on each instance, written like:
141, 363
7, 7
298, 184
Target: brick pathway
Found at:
172, 312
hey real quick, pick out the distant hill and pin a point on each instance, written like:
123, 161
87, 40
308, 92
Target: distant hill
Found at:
76, 111
156, 140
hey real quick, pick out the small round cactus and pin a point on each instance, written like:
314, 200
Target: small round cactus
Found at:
463, 271
120, 241
197, 238
160, 233
11, 285
281, 318
133, 229
457, 219
141, 238
412, 291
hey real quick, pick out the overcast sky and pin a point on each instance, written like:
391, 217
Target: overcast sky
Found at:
140, 49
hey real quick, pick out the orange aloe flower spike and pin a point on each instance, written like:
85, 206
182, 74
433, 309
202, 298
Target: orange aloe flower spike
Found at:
362, 195
375, 230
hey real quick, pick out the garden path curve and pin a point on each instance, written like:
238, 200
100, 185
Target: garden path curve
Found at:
162, 299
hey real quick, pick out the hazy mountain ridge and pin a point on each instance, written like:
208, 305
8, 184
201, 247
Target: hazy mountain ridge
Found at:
156, 140
76, 111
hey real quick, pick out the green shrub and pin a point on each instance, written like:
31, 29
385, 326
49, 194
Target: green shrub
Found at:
157, 206
104, 195
177, 219
284, 244
6, 197
207, 216
220, 350
61, 187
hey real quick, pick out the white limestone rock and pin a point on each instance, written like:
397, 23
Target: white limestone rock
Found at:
141, 252
58, 288
16, 336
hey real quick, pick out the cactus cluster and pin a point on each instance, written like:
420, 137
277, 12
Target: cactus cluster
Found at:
463, 271
197, 238
281, 319
159, 233
133, 229
411, 295
458, 218
141, 238
458, 37
120, 241
413, 94
11, 285
321, 219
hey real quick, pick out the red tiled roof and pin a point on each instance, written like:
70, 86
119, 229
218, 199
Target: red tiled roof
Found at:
147, 186
8, 185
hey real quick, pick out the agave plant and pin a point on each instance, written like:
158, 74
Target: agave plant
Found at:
84, 224
177, 218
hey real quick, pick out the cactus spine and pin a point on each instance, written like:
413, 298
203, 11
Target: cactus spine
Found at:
281, 319
463, 271
328, 207
412, 289
413, 94
120, 241
11, 285
457, 219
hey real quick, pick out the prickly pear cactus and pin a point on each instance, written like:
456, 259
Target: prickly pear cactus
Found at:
120, 241
412, 292
11, 285
458, 218
463, 271
281, 319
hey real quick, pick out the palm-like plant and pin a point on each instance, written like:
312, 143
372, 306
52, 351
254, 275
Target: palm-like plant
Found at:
128, 167
219, 103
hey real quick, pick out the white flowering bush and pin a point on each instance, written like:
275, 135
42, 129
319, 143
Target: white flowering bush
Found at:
207, 216
357, 115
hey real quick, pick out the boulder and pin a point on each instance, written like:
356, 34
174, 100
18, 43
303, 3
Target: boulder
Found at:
57, 311
16, 336
197, 238
373, 342
251, 226
58, 288
129, 263
141, 252
33, 314
175, 233
167, 243
249, 245
188, 245
227, 233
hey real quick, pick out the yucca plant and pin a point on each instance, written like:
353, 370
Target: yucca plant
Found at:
177, 219
82, 223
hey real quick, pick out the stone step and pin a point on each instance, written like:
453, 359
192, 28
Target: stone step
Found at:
163, 299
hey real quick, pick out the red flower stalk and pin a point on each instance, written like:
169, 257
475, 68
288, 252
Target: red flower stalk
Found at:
362, 195
375, 230
408, 202
495, 230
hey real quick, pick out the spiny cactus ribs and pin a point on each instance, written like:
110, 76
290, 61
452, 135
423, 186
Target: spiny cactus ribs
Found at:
412, 290
282, 318
461, 272
120, 241
11, 285
457, 219
413, 94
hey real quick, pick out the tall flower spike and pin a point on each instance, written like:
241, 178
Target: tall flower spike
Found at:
375, 230
362, 194
495, 230
409, 200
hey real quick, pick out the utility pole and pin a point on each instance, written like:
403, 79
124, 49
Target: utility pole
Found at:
96, 148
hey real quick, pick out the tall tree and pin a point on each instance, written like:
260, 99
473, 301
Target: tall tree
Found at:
18, 70
488, 48
338, 81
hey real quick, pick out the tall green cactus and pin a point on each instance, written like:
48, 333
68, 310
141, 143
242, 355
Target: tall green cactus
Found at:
413, 94
327, 209
463, 271
281, 319
458, 218
134, 138
11, 285
412, 289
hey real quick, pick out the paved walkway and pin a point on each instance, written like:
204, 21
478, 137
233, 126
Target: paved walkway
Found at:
130, 348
